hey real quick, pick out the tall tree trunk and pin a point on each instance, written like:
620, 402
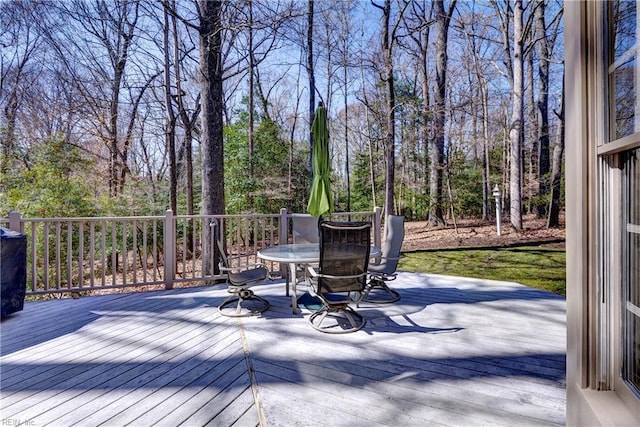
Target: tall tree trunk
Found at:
114, 166
531, 129
543, 106
212, 100
372, 172
436, 211
389, 139
250, 135
170, 125
312, 83
426, 96
553, 219
486, 155
188, 121
346, 132
516, 125
8, 137
30, 44
481, 83
120, 56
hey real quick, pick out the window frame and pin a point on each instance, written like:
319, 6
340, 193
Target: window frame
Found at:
612, 224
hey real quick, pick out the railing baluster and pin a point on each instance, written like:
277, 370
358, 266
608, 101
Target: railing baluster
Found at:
154, 250
80, 254
193, 246
134, 251
114, 253
34, 257
256, 225
145, 260
103, 252
45, 262
92, 253
125, 252
183, 245
58, 255
69, 254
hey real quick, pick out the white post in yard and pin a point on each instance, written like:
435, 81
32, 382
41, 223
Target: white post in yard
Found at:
496, 195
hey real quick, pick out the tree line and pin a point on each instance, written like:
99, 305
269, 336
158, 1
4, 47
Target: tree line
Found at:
136, 106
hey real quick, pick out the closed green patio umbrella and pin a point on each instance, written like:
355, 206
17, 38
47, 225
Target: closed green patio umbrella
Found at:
320, 197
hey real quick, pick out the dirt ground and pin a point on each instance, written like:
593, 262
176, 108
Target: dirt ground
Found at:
478, 233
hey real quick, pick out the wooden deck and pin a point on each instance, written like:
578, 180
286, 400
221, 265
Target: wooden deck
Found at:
452, 351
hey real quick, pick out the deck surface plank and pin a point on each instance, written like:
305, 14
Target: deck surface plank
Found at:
452, 351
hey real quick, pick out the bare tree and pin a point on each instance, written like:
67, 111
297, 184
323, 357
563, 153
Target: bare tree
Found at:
553, 219
110, 32
388, 41
475, 41
170, 125
517, 118
20, 34
443, 19
212, 100
312, 78
418, 22
513, 14
545, 40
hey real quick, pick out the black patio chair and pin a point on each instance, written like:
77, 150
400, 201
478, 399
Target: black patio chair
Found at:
341, 275
240, 277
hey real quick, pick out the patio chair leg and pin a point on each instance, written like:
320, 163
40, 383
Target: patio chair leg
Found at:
343, 313
242, 296
350, 319
378, 286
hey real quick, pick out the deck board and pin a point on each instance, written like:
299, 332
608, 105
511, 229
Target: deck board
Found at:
452, 351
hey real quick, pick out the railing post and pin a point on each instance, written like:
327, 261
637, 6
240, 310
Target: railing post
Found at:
15, 221
377, 221
283, 238
283, 227
169, 249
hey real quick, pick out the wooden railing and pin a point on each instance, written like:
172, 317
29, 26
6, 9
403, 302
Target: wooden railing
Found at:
72, 255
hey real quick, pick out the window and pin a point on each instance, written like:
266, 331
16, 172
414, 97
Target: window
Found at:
631, 270
624, 157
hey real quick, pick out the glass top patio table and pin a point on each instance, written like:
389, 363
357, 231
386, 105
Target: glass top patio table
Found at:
294, 254
300, 253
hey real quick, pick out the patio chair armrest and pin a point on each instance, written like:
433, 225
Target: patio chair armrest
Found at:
311, 271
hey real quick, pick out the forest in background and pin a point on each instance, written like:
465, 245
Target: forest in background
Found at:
131, 107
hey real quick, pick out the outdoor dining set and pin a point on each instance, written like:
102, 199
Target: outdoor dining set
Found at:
332, 257
336, 262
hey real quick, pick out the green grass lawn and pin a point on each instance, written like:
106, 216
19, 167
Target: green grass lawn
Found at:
533, 266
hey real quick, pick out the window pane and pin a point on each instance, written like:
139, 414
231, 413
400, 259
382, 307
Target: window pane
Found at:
633, 368
624, 23
625, 99
631, 267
